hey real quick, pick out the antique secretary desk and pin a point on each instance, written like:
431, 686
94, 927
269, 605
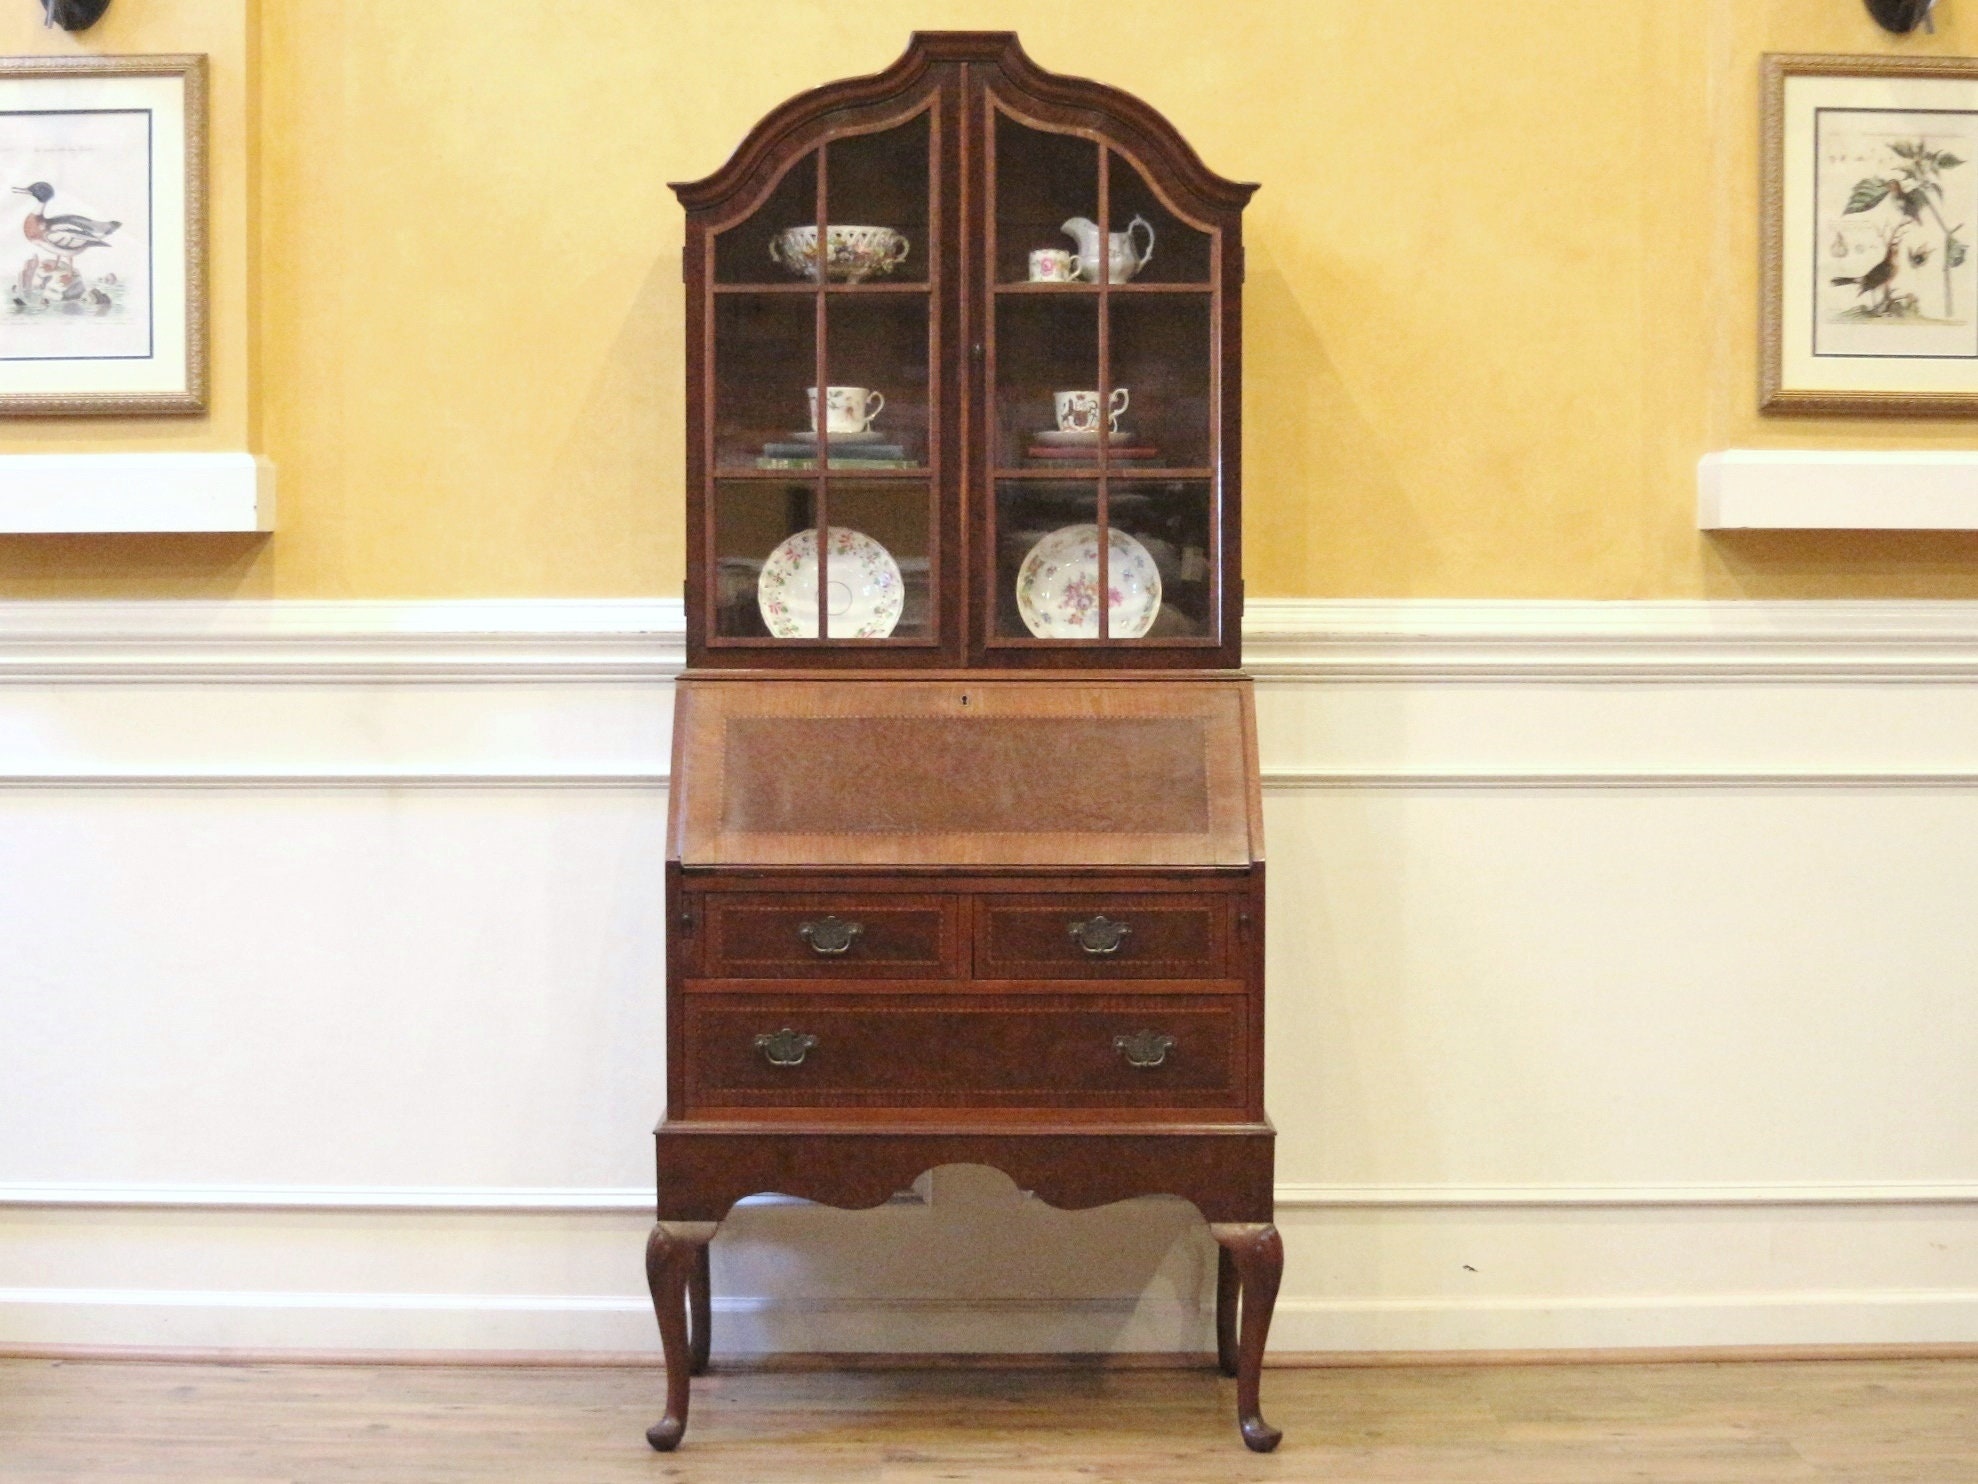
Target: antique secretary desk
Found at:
965, 855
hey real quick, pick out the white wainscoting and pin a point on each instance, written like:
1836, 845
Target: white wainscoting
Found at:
1622, 992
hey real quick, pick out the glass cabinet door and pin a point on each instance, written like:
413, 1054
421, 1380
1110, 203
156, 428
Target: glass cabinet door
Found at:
1104, 424
823, 404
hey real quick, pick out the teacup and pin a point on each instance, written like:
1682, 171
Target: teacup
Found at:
1078, 412
1055, 265
847, 409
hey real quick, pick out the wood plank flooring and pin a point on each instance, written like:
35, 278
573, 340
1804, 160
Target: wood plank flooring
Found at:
1823, 1422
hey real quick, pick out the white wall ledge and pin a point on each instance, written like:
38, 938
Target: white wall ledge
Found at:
1753, 489
79, 493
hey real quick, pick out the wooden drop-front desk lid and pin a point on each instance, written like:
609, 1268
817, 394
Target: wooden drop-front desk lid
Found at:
965, 772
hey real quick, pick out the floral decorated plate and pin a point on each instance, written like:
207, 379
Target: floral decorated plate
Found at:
1057, 588
863, 591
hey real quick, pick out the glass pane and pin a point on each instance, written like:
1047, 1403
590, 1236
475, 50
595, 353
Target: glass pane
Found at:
1046, 583
1152, 243
743, 253
877, 355
758, 593
1160, 357
878, 188
764, 359
1045, 345
882, 559
1043, 181
1168, 521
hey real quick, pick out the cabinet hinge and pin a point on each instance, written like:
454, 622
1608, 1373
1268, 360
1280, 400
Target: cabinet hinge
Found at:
1239, 264
685, 276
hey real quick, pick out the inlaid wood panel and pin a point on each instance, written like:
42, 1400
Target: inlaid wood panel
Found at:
834, 936
1101, 936
943, 1050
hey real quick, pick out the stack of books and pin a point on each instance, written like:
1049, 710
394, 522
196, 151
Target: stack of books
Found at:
845, 457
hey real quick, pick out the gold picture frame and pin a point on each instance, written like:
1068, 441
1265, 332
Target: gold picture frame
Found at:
103, 192
1869, 259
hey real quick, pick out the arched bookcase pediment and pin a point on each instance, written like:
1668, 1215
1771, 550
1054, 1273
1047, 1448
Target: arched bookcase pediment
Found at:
1058, 98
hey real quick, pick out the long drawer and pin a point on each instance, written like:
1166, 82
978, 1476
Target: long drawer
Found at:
834, 936
753, 1050
1122, 935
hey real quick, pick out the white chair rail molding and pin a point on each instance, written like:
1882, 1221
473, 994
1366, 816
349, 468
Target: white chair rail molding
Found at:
1817, 489
78, 493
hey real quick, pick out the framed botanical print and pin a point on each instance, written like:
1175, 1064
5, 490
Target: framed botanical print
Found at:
102, 235
1870, 225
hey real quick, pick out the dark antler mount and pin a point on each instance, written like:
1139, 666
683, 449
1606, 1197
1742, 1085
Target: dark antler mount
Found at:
73, 15
1901, 16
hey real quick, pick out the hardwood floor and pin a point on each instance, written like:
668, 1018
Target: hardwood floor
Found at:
1837, 1422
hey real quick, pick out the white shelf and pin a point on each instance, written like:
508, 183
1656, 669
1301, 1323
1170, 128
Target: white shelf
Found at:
1746, 489
52, 493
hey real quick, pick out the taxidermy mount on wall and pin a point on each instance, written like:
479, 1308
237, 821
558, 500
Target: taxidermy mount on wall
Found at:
1902, 16
73, 15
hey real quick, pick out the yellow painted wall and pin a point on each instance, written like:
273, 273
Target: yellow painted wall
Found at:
1502, 283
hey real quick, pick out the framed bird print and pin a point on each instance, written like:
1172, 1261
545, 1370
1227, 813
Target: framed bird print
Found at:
1870, 257
102, 235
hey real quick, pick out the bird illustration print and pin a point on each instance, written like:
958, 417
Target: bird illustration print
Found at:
64, 235
1878, 280
53, 281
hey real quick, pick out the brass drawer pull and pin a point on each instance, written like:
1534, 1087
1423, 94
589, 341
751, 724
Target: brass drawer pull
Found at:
830, 934
785, 1048
1144, 1049
1099, 934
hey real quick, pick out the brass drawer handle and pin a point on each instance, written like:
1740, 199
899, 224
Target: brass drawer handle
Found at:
1144, 1049
830, 934
785, 1048
1099, 934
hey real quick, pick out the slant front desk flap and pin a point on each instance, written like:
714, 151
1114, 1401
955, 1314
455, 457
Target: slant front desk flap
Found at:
966, 772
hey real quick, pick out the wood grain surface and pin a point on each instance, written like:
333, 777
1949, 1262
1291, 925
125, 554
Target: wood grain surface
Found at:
1833, 1422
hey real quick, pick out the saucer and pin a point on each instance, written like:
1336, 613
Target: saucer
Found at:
1057, 587
863, 587
870, 435
1058, 438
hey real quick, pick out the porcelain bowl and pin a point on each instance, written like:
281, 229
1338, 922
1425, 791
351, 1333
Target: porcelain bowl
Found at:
851, 253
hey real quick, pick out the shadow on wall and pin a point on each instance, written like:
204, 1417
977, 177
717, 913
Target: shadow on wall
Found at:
614, 481
966, 1262
1317, 481
1842, 564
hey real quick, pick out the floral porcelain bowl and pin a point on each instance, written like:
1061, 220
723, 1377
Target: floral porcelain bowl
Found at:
852, 254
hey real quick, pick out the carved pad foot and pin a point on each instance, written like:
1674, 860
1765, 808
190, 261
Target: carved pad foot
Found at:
1256, 1252
676, 1258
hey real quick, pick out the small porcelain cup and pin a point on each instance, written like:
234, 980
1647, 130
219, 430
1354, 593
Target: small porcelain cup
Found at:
1078, 412
1055, 265
847, 409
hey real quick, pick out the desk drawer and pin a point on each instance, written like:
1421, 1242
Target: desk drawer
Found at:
1111, 936
943, 1049
876, 936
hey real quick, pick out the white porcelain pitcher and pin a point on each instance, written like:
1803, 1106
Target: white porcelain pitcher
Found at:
1122, 261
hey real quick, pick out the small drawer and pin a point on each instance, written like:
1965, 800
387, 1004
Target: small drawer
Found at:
880, 936
942, 1049
1124, 936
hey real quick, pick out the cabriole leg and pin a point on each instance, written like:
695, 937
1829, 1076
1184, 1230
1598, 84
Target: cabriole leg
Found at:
1257, 1252
1226, 1305
700, 1306
674, 1254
